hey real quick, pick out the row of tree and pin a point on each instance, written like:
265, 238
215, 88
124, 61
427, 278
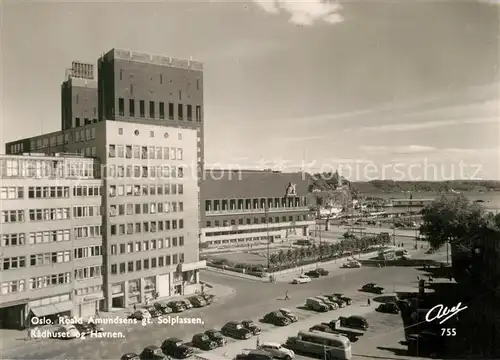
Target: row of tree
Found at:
326, 251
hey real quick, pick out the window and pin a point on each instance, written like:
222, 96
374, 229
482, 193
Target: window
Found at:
180, 189
197, 84
198, 113
121, 74
179, 112
152, 109
190, 113
112, 151
170, 111
180, 95
121, 106
161, 78
77, 122
142, 110
162, 110
131, 107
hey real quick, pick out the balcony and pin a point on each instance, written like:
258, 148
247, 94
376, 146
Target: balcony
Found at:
255, 211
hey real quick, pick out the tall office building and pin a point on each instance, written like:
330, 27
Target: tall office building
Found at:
78, 96
151, 89
150, 165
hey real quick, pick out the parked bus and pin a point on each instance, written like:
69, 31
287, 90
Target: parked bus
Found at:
324, 345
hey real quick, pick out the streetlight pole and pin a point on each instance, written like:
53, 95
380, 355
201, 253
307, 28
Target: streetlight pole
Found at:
266, 214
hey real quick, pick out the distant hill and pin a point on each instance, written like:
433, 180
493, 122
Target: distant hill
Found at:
391, 186
329, 181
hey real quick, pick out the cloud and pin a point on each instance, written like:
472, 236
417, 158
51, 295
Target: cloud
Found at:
425, 125
302, 138
304, 12
408, 149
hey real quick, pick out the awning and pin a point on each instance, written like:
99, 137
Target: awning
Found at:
194, 265
64, 306
14, 303
42, 311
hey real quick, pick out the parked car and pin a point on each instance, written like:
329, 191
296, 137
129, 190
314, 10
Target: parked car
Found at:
313, 274
289, 314
176, 348
302, 279
203, 342
372, 288
84, 328
322, 271
154, 312
130, 356
254, 355
66, 332
332, 305
354, 322
340, 296
388, 308
276, 318
209, 298
140, 314
215, 335
250, 325
164, 308
187, 304
341, 303
277, 351
176, 306
316, 305
197, 301
236, 330
95, 327
152, 352
323, 328
351, 264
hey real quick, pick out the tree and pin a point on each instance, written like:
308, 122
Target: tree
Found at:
273, 259
450, 219
296, 255
289, 256
281, 256
303, 253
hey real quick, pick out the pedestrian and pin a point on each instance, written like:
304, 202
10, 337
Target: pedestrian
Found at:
258, 341
418, 278
135, 307
287, 295
97, 313
369, 302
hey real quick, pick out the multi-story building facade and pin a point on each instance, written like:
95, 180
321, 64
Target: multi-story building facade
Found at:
135, 158
79, 96
248, 207
51, 245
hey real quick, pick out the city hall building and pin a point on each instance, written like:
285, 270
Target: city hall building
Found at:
243, 207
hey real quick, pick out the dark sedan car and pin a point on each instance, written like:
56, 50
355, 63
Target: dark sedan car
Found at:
176, 348
130, 356
215, 335
236, 330
163, 308
276, 318
209, 298
388, 308
152, 352
323, 328
313, 274
340, 296
154, 312
176, 306
203, 342
84, 328
250, 325
372, 288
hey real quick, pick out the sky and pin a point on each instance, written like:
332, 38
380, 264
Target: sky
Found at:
403, 90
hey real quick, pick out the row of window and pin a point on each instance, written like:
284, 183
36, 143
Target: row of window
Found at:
255, 204
144, 152
88, 272
86, 121
11, 192
147, 245
256, 220
161, 82
152, 114
151, 172
88, 290
146, 264
81, 211
40, 282
28, 168
49, 258
152, 134
48, 192
49, 214
81, 135
87, 231
45, 142
146, 227
87, 251
148, 208
146, 190
87, 190
40, 237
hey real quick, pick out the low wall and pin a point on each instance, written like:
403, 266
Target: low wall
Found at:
399, 262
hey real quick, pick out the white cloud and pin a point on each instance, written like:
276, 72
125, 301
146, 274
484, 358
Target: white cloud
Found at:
426, 125
408, 149
304, 12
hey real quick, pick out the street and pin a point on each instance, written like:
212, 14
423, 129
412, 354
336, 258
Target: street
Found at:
251, 301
